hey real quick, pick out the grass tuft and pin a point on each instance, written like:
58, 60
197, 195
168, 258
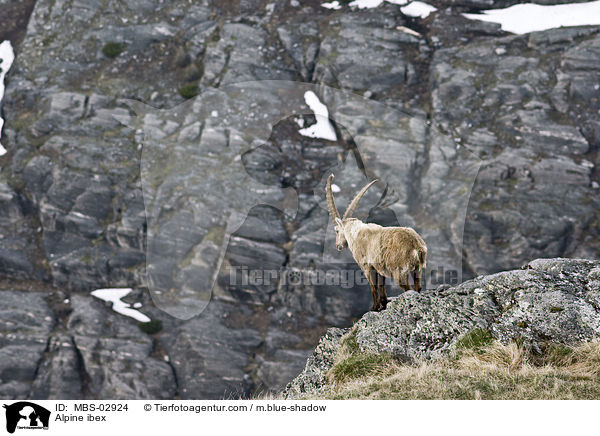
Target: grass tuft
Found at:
474, 340
151, 327
557, 354
189, 90
113, 49
361, 365
350, 344
351, 363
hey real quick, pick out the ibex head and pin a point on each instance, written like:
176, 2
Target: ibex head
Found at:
338, 221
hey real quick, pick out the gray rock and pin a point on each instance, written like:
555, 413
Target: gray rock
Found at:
115, 356
263, 224
300, 37
209, 355
242, 53
350, 53
449, 28
13, 23
276, 372
60, 375
25, 324
17, 237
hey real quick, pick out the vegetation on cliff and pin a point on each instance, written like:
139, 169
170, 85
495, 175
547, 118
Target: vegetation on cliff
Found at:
479, 370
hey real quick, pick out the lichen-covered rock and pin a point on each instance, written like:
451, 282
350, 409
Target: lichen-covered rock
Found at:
549, 300
313, 377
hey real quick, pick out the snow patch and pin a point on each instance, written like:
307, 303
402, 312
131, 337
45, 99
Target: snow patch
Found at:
322, 128
114, 296
418, 9
529, 17
367, 4
332, 5
412, 9
7, 55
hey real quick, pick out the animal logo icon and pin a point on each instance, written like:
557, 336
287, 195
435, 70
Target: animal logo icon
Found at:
26, 415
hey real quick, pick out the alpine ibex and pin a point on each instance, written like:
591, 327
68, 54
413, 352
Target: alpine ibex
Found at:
379, 251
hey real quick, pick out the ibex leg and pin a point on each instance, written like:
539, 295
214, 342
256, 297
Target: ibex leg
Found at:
402, 280
382, 295
417, 279
372, 278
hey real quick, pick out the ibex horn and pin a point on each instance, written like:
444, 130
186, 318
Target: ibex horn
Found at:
330, 203
354, 202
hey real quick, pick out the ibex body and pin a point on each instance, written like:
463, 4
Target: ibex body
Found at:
380, 252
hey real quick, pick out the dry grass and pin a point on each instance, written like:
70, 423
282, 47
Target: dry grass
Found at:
485, 370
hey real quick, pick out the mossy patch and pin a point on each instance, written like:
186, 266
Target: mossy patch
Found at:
113, 49
189, 90
350, 343
151, 327
86, 259
360, 365
215, 235
352, 363
474, 340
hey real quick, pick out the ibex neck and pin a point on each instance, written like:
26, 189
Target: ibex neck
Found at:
352, 227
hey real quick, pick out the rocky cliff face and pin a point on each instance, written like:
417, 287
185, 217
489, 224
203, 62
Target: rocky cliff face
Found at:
469, 126
547, 301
